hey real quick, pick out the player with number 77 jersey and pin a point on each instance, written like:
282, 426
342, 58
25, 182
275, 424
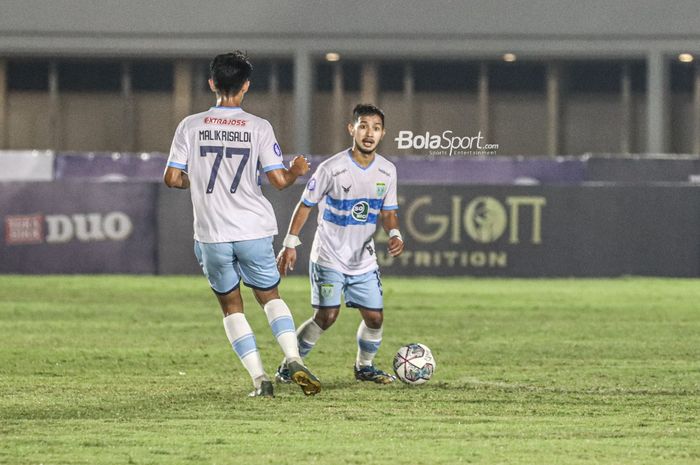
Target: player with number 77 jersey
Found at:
219, 156
223, 150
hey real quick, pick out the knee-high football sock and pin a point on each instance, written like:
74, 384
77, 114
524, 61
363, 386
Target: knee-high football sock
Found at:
368, 342
282, 325
242, 339
308, 333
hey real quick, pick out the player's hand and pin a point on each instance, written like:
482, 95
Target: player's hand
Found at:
395, 246
286, 260
300, 165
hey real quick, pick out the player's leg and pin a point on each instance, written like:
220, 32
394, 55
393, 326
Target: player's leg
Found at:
326, 285
364, 292
282, 325
218, 264
256, 261
324, 317
310, 331
258, 268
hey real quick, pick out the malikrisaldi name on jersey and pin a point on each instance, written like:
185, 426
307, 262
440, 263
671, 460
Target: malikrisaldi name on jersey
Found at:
224, 136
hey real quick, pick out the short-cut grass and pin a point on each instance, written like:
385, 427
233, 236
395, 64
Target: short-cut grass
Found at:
138, 370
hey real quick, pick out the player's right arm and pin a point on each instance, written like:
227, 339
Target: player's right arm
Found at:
176, 170
315, 190
287, 257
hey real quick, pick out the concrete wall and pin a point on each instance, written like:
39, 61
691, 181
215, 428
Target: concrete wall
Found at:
518, 122
153, 121
28, 121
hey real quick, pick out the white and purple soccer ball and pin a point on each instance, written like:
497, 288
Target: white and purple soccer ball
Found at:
414, 363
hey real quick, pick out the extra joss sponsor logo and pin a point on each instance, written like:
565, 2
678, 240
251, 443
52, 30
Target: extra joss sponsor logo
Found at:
224, 121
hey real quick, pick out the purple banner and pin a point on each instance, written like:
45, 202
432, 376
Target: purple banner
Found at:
412, 169
111, 166
78, 227
424, 169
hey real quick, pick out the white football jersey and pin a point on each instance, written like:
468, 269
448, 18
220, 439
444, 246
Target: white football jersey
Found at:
349, 200
223, 150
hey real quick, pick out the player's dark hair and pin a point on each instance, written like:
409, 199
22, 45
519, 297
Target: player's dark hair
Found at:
230, 71
367, 109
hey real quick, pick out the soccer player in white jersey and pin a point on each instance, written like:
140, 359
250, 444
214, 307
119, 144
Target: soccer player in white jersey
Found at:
352, 189
219, 155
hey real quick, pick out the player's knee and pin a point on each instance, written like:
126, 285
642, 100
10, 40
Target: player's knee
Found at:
373, 319
264, 297
231, 302
326, 317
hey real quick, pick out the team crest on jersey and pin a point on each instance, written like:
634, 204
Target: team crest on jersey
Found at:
311, 185
326, 291
277, 149
381, 189
360, 211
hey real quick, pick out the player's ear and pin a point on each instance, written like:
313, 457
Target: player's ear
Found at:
212, 86
246, 86
351, 129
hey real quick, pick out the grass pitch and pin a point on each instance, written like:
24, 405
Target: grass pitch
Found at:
137, 370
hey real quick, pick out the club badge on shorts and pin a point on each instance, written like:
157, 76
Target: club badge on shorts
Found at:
326, 291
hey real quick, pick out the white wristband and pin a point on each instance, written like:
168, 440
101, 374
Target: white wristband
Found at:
395, 233
291, 241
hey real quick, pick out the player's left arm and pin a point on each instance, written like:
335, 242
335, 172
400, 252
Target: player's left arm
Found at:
390, 217
390, 223
175, 174
270, 159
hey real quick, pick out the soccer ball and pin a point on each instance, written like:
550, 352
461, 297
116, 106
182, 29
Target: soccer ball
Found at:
414, 363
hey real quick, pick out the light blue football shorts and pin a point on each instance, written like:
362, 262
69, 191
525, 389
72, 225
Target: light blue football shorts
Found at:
225, 264
359, 291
